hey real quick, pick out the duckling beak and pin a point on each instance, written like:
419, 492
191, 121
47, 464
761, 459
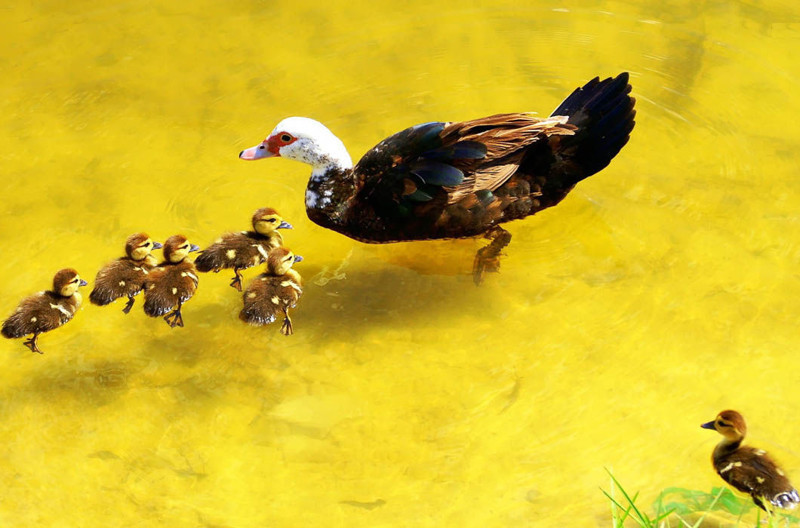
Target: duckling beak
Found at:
83, 283
262, 150
284, 225
298, 258
709, 425
194, 247
157, 245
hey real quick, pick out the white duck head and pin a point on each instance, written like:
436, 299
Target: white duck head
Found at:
306, 140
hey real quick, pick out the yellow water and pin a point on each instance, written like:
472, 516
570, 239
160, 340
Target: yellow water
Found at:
661, 291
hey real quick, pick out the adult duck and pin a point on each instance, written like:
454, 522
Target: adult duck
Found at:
457, 179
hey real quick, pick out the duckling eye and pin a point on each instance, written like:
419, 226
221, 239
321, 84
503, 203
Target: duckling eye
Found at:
146, 244
271, 220
185, 246
286, 138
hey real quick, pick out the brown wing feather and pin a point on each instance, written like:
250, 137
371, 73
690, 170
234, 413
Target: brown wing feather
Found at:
119, 278
167, 286
751, 471
39, 313
506, 136
268, 297
237, 250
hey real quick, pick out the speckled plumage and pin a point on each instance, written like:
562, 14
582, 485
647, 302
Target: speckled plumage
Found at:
273, 293
126, 276
172, 283
46, 310
748, 469
244, 249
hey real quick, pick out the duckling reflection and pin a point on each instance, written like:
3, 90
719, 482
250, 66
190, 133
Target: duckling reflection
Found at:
748, 469
274, 292
172, 283
244, 249
46, 310
125, 276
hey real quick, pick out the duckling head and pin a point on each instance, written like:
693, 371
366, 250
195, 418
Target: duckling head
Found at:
280, 260
266, 220
729, 424
67, 281
139, 245
177, 248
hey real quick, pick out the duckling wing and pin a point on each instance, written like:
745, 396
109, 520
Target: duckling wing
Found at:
267, 297
36, 314
119, 278
237, 250
167, 286
750, 470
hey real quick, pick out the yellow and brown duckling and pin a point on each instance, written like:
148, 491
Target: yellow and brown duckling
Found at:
172, 283
748, 469
46, 310
125, 277
244, 249
272, 293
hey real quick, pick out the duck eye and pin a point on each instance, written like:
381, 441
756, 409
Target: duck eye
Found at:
146, 244
286, 138
271, 220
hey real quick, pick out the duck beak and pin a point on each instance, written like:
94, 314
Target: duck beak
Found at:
194, 248
262, 150
83, 283
709, 425
157, 245
298, 258
284, 225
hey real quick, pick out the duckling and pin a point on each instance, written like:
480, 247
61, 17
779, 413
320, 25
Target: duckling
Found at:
46, 310
748, 469
172, 283
126, 275
246, 248
274, 292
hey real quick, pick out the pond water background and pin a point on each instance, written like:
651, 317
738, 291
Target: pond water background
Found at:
661, 291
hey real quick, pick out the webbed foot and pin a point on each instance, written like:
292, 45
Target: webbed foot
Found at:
487, 259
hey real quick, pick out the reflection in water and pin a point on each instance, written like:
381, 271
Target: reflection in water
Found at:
661, 290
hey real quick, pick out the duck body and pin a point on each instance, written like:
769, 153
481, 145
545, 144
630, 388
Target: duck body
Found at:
126, 276
46, 310
456, 179
748, 469
244, 249
274, 292
171, 283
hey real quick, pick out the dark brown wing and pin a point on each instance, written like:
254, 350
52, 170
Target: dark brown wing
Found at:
268, 297
168, 285
119, 278
38, 313
751, 471
237, 250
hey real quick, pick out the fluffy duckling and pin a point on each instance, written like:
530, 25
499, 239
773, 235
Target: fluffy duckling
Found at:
46, 310
172, 283
126, 275
748, 469
246, 248
274, 292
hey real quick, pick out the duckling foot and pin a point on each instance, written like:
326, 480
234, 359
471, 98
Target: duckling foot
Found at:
174, 319
128, 305
488, 257
287, 329
31, 344
236, 282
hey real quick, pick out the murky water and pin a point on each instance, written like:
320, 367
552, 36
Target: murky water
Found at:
661, 291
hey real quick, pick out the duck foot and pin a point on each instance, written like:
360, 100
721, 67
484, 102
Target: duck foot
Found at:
236, 282
174, 319
487, 259
32, 345
287, 329
128, 305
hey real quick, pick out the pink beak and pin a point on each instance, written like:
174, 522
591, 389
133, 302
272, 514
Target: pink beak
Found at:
262, 150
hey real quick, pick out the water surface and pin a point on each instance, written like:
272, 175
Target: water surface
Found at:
661, 291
